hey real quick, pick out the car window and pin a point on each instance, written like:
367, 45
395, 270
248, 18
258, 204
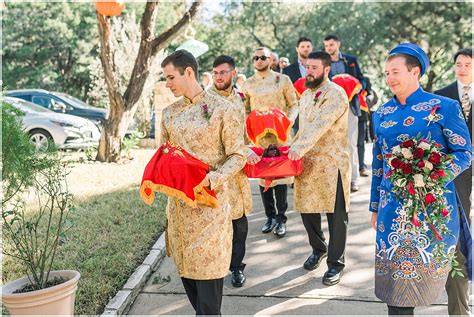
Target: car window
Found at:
73, 100
25, 106
43, 101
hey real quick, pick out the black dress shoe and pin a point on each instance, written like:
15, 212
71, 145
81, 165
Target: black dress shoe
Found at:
238, 278
313, 261
332, 276
280, 229
268, 226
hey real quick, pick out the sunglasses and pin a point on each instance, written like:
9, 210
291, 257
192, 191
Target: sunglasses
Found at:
263, 58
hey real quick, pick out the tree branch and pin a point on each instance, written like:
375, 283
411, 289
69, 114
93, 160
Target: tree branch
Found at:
161, 41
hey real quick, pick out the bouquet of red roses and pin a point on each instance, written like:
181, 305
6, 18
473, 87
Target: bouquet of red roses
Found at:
418, 172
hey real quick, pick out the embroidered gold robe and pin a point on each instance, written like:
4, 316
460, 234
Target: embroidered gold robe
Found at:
274, 90
239, 193
323, 144
209, 128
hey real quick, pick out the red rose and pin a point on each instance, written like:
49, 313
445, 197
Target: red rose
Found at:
435, 158
441, 173
352, 65
408, 143
411, 190
406, 168
421, 164
434, 176
445, 212
395, 163
418, 153
430, 198
415, 221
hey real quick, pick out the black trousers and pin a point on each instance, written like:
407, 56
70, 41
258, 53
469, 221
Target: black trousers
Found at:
204, 295
394, 310
280, 192
241, 228
337, 223
361, 143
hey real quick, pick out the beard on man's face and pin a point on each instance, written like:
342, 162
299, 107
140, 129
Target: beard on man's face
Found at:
313, 82
223, 85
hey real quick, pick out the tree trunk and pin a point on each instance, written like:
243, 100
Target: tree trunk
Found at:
123, 107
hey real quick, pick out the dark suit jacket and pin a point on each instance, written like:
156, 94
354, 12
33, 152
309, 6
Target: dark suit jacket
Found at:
463, 182
351, 66
293, 71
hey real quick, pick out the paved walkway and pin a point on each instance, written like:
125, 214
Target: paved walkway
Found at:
276, 281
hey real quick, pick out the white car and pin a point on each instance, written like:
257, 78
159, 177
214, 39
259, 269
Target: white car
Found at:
66, 131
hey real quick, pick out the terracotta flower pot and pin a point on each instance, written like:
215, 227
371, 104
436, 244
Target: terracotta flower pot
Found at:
55, 300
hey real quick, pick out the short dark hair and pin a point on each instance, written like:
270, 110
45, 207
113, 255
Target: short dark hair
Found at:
182, 59
321, 55
410, 61
332, 37
265, 49
224, 59
463, 51
303, 39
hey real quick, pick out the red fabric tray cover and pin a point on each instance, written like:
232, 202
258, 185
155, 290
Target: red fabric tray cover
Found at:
176, 173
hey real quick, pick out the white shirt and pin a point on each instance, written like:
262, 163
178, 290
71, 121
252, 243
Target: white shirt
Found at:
461, 91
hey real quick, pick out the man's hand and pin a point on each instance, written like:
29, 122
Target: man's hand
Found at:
293, 156
253, 159
206, 182
373, 221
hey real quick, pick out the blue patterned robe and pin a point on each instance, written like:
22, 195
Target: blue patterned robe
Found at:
406, 273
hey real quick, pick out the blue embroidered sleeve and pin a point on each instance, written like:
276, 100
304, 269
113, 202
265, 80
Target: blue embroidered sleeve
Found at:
377, 164
456, 136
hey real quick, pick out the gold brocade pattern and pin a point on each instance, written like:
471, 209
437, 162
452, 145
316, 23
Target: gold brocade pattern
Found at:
239, 194
323, 144
262, 93
209, 128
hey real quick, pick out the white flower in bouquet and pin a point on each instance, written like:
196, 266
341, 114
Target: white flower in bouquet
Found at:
407, 153
423, 145
418, 178
428, 165
396, 149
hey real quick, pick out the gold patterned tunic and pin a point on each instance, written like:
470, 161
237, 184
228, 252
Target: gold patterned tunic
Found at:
239, 194
210, 129
322, 143
274, 90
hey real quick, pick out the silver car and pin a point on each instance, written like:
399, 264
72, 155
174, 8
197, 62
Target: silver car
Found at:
66, 131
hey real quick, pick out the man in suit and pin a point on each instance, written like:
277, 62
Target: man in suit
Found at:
347, 64
461, 90
297, 70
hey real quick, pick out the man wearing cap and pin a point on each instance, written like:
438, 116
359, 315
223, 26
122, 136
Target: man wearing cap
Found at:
411, 265
200, 239
462, 91
239, 195
264, 90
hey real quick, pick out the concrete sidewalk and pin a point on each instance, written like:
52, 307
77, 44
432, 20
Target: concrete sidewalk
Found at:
276, 281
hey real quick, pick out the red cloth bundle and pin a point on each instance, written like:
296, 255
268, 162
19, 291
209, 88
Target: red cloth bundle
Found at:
273, 121
271, 168
299, 86
350, 84
176, 173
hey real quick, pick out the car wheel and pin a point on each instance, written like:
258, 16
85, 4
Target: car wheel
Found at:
40, 139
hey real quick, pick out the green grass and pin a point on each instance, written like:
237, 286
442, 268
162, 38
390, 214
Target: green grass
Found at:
111, 236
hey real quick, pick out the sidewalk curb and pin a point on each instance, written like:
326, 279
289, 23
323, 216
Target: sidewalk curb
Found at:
124, 298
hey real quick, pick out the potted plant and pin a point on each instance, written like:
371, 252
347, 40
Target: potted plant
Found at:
32, 232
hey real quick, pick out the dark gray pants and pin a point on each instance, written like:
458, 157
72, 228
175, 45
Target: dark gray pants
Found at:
458, 287
204, 295
337, 224
280, 192
241, 228
394, 310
